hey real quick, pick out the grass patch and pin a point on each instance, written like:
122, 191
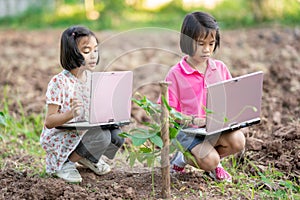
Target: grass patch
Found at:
19, 137
251, 182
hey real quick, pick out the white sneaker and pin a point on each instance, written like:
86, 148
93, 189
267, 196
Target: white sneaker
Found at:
69, 173
99, 168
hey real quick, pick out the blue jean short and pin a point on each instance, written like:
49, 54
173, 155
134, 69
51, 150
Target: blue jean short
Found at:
188, 142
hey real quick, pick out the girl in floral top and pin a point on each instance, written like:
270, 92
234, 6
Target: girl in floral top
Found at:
67, 100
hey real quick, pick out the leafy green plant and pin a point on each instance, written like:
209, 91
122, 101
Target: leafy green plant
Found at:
148, 138
147, 141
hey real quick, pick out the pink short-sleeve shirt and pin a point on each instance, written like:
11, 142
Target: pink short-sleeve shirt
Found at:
187, 91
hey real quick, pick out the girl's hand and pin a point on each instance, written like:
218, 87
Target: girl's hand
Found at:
76, 107
200, 122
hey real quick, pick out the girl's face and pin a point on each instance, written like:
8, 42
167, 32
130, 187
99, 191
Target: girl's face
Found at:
88, 47
205, 48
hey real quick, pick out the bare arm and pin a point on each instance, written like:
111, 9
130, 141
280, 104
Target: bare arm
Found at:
54, 118
189, 120
200, 122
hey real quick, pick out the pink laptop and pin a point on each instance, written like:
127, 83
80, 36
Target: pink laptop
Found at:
232, 104
110, 102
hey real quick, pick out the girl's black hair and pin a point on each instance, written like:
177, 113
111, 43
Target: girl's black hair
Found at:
70, 56
196, 25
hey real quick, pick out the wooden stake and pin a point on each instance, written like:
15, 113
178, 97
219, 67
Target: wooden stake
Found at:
165, 162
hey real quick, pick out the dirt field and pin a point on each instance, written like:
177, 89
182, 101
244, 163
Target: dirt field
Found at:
30, 58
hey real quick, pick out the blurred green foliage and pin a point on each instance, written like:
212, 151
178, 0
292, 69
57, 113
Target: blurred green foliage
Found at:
119, 15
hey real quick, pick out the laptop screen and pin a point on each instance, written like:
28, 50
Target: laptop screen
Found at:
111, 94
234, 101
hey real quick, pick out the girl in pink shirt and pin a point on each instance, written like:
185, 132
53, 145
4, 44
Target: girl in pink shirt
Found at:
199, 39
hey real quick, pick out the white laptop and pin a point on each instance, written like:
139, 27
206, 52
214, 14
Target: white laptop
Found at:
110, 100
232, 104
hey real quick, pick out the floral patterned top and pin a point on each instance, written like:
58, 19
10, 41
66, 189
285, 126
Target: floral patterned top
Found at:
60, 143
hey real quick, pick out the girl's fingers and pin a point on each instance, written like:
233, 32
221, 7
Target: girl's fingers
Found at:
76, 106
200, 122
76, 103
77, 111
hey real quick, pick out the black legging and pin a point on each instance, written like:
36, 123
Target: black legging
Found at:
97, 142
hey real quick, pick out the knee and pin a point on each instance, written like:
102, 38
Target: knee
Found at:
103, 138
116, 139
238, 141
209, 162
94, 136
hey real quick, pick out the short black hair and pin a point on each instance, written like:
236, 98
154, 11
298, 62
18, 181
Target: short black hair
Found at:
70, 56
194, 26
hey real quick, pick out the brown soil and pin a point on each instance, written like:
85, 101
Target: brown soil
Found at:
30, 58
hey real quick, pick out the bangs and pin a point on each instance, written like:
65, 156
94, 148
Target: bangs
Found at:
205, 33
83, 40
